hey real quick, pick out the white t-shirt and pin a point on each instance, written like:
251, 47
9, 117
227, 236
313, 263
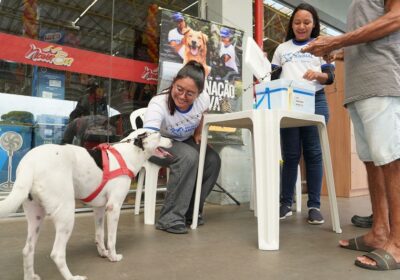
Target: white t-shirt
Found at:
229, 50
175, 36
295, 63
179, 126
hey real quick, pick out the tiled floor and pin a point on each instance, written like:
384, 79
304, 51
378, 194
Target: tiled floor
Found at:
224, 248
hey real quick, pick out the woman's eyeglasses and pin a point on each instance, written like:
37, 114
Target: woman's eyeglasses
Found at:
189, 94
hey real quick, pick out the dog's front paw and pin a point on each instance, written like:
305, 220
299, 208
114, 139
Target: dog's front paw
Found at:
32, 277
102, 252
78, 277
115, 258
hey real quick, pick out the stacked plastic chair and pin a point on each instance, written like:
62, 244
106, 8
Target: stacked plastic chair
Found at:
148, 175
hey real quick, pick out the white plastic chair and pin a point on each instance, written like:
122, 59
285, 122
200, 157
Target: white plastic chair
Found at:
148, 174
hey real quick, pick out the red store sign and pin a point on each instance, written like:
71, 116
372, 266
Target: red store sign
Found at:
50, 54
44, 54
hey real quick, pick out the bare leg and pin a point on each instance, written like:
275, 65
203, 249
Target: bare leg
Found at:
391, 174
379, 232
35, 215
99, 226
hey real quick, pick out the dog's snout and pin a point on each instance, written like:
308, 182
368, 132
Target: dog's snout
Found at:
194, 43
165, 142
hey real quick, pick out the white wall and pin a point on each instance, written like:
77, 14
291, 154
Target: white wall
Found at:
236, 170
331, 12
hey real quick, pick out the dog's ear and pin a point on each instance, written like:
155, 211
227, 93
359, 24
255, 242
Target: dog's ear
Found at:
187, 30
138, 141
185, 33
205, 38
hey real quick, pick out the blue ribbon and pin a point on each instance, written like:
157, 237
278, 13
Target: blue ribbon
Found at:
303, 92
267, 93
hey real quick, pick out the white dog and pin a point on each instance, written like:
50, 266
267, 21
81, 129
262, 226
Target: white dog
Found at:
50, 177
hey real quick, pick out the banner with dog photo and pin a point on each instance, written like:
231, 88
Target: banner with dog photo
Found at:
218, 48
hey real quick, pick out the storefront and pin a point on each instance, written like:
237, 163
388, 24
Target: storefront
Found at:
104, 56
65, 63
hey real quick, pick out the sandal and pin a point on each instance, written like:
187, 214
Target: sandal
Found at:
358, 244
383, 259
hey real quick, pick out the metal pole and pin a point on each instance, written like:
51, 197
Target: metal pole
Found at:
259, 22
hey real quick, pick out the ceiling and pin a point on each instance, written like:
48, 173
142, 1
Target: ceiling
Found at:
93, 30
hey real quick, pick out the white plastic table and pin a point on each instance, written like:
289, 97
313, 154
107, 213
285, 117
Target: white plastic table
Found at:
265, 127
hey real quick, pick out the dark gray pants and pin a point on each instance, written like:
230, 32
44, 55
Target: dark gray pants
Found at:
179, 200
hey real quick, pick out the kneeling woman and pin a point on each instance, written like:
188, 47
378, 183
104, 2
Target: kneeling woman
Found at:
178, 113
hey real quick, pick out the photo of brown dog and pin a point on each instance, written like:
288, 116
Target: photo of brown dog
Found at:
195, 44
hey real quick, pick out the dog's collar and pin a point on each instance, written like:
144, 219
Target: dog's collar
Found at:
138, 140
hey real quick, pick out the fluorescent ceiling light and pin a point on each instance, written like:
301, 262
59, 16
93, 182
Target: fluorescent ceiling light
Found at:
84, 12
184, 9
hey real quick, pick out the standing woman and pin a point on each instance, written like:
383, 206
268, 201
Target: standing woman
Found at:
292, 64
178, 114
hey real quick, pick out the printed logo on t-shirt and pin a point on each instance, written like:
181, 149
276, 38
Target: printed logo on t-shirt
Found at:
184, 126
182, 130
297, 56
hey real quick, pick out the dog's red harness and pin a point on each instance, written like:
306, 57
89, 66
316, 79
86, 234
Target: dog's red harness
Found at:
107, 174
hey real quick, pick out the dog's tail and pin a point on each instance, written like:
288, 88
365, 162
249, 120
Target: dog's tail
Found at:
19, 193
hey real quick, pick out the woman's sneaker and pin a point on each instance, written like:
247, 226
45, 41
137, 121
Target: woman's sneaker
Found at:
315, 216
176, 229
200, 221
285, 211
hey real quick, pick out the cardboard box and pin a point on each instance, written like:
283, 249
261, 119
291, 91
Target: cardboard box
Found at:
49, 129
51, 119
287, 95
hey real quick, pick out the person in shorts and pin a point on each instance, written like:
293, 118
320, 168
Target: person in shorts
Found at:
372, 96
